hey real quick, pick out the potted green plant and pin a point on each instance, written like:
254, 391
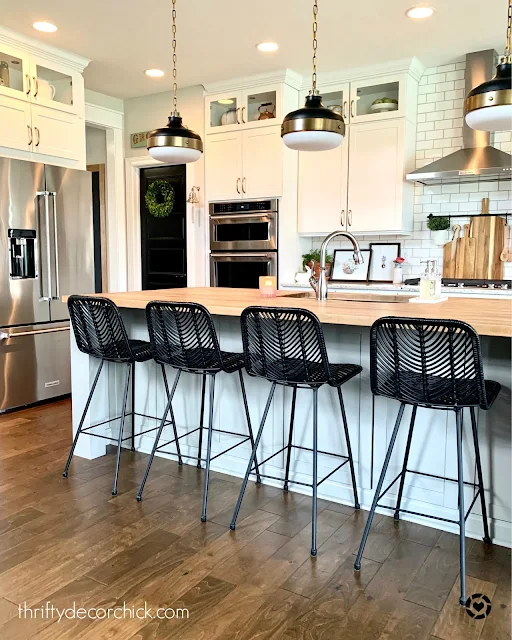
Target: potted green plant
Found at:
440, 228
314, 254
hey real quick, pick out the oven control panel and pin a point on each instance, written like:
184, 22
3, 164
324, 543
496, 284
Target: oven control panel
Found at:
243, 207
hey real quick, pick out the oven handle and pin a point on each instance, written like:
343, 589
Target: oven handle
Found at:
262, 256
266, 217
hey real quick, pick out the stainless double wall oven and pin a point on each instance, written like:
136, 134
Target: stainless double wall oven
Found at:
243, 242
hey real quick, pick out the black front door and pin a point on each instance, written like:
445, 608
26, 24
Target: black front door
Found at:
164, 240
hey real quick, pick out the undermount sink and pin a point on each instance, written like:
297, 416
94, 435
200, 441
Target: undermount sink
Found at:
354, 297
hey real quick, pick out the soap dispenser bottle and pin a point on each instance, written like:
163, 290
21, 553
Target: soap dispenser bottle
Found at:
430, 283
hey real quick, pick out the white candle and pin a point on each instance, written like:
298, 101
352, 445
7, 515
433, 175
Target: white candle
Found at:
268, 286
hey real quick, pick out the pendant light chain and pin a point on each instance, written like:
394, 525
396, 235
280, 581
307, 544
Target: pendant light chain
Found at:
509, 29
315, 45
174, 73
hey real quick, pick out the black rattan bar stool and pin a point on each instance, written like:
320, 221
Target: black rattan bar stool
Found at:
183, 336
100, 333
287, 347
435, 364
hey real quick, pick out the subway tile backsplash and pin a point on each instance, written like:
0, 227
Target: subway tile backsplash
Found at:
439, 133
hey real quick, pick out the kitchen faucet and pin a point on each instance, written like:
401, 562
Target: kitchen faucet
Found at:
320, 285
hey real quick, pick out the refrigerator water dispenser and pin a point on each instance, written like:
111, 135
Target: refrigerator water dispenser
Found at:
22, 254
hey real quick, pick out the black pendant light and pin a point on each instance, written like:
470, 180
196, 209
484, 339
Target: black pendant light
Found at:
488, 107
174, 144
313, 128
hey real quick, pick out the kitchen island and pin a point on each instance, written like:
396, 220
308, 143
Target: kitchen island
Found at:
346, 318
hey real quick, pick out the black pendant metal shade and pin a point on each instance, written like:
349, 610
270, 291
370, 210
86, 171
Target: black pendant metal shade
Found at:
175, 135
313, 116
494, 92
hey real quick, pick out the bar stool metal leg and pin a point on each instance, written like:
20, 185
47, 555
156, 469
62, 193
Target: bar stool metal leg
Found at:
315, 472
201, 422
180, 461
133, 407
290, 439
208, 447
462, 515
487, 537
78, 431
252, 458
249, 425
349, 449
406, 460
158, 434
121, 427
357, 564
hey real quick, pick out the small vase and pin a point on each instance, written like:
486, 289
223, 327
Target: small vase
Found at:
398, 276
440, 238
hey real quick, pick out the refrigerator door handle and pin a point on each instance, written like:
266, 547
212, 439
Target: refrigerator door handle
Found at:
5, 335
55, 247
45, 194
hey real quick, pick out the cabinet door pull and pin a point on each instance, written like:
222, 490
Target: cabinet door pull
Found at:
342, 217
29, 86
352, 105
238, 181
30, 137
36, 84
349, 218
243, 119
244, 185
237, 115
345, 106
38, 135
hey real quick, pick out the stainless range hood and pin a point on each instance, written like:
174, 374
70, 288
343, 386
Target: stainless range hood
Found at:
477, 161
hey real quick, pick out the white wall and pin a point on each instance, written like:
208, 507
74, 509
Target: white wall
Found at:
96, 145
151, 112
439, 133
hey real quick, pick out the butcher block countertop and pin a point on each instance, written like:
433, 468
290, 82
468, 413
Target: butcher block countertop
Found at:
489, 317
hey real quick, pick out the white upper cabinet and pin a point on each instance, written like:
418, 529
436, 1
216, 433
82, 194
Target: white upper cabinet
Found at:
262, 163
223, 157
42, 104
322, 203
223, 112
244, 164
378, 99
379, 199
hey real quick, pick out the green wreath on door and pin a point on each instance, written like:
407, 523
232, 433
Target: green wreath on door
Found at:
160, 199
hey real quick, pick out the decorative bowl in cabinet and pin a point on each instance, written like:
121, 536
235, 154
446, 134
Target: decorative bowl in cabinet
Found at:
229, 117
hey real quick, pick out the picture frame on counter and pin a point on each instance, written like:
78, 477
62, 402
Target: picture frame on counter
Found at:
381, 261
344, 269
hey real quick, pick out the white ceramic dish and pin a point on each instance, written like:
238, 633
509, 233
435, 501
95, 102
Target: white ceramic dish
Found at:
384, 106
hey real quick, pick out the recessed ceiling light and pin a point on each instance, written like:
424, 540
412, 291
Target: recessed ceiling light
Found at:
420, 12
267, 46
47, 27
154, 73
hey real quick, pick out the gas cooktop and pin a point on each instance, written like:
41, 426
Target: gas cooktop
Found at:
467, 283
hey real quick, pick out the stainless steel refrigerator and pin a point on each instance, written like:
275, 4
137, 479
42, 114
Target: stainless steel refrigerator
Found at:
46, 252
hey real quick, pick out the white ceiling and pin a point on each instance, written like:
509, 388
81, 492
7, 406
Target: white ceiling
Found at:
217, 38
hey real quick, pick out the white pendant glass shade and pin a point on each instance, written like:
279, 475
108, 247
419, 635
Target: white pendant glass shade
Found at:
312, 140
497, 118
174, 155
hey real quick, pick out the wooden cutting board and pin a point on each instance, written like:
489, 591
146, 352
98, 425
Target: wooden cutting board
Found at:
465, 257
449, 254
489, 234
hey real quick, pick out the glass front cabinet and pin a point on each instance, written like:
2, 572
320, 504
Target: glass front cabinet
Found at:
260, 106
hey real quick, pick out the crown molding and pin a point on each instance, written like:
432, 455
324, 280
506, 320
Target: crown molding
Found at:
34, 47
286, 76
412, 66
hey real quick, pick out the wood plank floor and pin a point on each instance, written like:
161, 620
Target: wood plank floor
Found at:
68, 540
